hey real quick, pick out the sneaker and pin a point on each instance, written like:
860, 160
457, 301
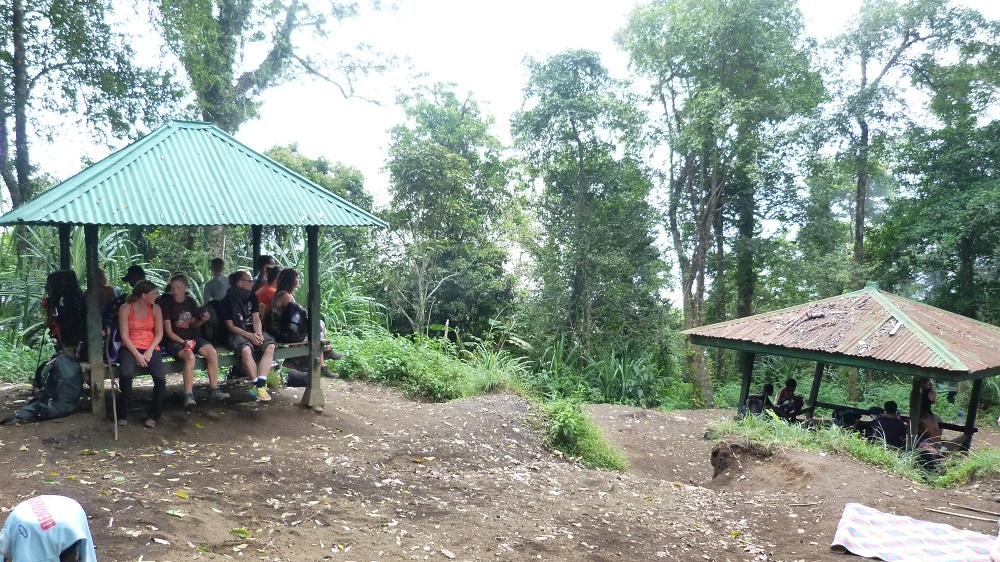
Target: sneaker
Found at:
261, 394
218, 395
123, 421
189, 401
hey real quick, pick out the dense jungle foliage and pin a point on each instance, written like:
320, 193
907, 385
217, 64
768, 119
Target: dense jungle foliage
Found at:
742, 167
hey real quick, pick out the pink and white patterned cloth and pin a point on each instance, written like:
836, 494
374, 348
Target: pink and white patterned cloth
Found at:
870, 533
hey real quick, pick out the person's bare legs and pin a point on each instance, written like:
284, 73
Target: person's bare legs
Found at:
187, 356
265, 360
246, 355
211, 356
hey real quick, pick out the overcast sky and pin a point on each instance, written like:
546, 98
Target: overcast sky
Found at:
478, 45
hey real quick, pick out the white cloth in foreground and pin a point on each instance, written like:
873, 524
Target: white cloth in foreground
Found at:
870, 533
40, 528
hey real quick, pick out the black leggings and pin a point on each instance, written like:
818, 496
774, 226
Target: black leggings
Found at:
128, 367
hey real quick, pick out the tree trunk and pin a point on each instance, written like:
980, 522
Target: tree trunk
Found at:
746, 278
718, 312
860, 202
852, 385
21, 191
966, 280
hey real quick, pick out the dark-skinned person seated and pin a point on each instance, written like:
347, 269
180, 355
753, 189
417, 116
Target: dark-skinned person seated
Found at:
890, 427
788, 405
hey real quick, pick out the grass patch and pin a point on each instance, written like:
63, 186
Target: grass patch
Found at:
773, 432
572, 432
426, 367
959, 470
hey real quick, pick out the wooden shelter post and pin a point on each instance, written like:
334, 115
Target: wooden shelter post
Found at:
95, 340
914, 425
256, 231
746, 366
970, 416
313, 396
65, 258
817, 379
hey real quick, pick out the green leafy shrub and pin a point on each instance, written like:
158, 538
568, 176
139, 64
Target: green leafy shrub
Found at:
18, 362
424, 367
572, 432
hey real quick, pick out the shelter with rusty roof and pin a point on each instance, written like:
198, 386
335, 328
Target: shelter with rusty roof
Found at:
189, 174
868, 329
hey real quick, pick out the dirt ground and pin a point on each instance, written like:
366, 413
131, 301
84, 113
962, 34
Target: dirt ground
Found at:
378, 476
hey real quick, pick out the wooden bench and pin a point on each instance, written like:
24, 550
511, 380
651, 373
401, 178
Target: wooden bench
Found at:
227, 358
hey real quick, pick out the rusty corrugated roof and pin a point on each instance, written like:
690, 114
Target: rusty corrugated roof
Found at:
868, 324
189, 174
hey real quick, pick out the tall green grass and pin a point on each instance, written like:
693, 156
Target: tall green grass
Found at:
572, 432
959, 469
773, 432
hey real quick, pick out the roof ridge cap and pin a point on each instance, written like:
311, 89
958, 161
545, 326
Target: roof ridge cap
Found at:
910, 324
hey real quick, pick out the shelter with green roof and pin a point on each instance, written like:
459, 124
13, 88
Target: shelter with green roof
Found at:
868, 329
189, 174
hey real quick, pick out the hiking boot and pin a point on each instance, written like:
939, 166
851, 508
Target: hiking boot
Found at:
327, 373
217, 395
332, 355
261, 394
189, 401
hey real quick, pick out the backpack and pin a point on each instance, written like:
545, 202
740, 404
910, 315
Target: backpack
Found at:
66, 312
60, 394
293, 326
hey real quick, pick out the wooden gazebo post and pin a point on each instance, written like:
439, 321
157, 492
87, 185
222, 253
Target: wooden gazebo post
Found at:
95, 340
65, 257
747, 368
313, 396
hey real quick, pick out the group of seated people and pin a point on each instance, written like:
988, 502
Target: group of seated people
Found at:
787, 405
884, 424
238, 312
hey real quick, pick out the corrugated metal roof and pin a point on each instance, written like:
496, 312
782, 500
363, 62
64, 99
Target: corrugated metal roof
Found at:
189, 174
873, 325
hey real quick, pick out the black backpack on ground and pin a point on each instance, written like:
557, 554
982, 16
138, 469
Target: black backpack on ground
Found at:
60, 393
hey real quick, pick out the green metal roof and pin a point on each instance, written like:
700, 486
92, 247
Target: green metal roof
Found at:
189, 174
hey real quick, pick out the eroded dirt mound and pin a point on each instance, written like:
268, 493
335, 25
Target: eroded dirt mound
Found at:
729, 459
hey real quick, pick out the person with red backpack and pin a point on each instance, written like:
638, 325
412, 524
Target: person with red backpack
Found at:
66, 313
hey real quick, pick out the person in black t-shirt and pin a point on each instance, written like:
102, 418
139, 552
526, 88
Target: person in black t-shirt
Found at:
240, 315
181, 337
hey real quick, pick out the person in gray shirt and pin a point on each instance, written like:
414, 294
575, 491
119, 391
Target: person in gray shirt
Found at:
215, 290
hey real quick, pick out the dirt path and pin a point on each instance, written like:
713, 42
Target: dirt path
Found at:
378, 476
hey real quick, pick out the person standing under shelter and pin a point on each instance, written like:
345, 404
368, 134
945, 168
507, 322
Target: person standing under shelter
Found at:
239, 313
216, 288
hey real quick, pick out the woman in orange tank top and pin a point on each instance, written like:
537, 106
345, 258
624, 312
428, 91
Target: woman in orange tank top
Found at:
140, 325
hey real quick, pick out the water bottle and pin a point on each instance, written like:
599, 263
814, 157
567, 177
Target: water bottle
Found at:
961, 417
